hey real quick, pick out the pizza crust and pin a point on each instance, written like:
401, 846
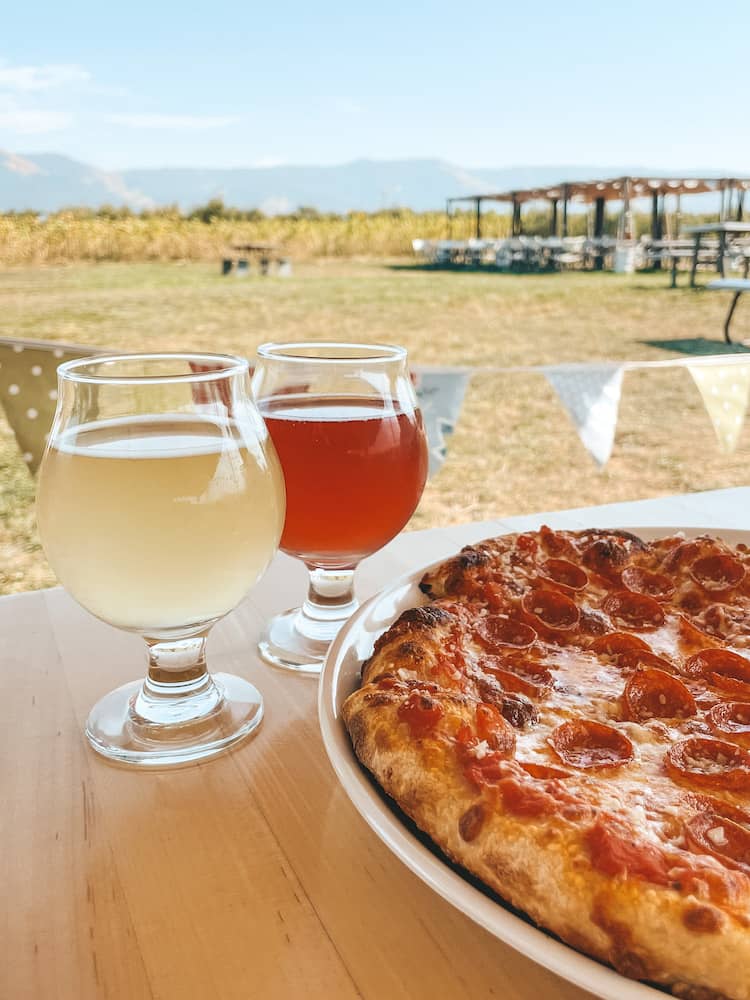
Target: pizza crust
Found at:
541, 869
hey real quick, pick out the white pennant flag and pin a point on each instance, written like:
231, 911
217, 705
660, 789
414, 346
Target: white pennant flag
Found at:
591, 395
725, 390
441, 395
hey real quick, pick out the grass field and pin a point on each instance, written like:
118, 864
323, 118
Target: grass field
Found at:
514, 450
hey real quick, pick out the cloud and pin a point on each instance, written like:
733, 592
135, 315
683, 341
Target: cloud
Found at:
29, 79
31, 122
186, 122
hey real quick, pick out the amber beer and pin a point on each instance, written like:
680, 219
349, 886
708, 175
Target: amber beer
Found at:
158, 522
354, 470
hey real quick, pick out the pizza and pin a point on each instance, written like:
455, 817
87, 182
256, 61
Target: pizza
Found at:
567, 717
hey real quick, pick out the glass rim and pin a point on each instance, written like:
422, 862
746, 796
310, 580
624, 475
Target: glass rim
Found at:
232, 365
274, 351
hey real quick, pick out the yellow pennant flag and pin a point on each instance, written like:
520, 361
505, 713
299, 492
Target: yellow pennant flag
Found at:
725, 390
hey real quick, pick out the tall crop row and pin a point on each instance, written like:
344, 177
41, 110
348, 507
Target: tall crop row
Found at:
80, 236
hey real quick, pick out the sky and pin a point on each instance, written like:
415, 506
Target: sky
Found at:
227, 84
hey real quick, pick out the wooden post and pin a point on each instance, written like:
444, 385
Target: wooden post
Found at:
553, 221
656, 233
565, 210
516, 225
740, 200
479, 218
599, 232
599, 217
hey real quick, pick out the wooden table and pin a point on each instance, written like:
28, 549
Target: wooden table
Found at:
248, 876
720, 229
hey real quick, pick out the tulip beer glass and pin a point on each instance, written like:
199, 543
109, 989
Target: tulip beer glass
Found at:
160, 504
349, 436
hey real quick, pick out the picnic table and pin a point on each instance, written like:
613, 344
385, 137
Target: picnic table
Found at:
240, 254
249, 876
721, 230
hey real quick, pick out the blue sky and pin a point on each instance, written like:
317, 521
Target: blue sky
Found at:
499, 84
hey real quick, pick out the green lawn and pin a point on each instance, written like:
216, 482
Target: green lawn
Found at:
514, 450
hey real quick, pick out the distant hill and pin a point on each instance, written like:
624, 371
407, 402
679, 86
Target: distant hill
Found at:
47, 182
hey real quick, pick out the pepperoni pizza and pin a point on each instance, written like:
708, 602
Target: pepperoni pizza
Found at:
568, 718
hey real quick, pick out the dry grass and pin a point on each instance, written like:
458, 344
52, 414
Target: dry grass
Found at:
514, 450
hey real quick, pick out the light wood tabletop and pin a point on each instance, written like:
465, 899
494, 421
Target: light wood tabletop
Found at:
247, 876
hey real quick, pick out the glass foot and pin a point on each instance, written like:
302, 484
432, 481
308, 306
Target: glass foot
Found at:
138, 727
283, 645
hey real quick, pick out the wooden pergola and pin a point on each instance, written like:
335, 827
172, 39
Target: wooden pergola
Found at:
624, 189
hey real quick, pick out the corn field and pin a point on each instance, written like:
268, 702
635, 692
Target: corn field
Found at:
79, 235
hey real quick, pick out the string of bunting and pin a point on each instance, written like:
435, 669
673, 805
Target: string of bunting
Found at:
590, 394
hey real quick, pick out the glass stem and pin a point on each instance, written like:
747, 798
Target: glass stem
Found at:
330, 601
178, 688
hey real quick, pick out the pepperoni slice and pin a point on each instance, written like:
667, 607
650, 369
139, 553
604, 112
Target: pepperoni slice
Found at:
552, 609
731, 718
717, 572
700, 802
585, 743
709, 763
565, 573
493, 728
692, 637
642, 581
497, 630
627, 651
654, 694
617, 644
536, 685
722, 668
720, 836
634, 610
421, 712
686, 550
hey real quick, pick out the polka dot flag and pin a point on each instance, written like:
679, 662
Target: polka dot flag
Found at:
28, 390
725, 390
591, 396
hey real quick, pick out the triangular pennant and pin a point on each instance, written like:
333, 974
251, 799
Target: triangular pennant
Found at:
441, 395
28, 389
725, 390
591, 396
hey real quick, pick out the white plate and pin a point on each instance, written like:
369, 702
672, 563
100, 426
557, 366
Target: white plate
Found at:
341, 676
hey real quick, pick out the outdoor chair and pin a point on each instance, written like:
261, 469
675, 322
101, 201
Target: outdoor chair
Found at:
28, 389
503, 255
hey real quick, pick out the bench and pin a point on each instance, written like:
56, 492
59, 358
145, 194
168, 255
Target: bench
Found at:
671, 252
737, 285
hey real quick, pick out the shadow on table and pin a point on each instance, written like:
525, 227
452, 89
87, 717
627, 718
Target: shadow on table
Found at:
697, 346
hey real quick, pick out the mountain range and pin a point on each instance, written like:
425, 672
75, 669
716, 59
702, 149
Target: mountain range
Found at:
47, 182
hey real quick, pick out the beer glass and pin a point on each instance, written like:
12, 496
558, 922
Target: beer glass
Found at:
160, 504
349, 436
